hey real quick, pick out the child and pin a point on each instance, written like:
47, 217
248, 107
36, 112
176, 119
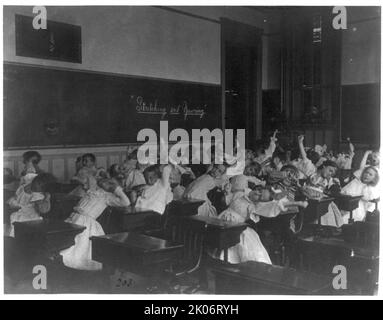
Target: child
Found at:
31, 160
366, 187
131, 160
156, 194
370, 158
305, 165
88, 170
89, 208
265, 155
116, 174
200, 187
31, 200
240, 210
323, 183
135, 177
344, 159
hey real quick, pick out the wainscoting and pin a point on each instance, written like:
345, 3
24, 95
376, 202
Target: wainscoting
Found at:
61, 161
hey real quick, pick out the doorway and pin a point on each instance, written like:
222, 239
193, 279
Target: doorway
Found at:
241, 78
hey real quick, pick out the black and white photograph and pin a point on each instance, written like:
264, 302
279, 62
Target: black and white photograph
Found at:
191, 151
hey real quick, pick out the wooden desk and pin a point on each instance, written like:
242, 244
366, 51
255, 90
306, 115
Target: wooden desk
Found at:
127, 219
348, 203
259, 278
184, 207
46, 237
135, 252
220, 234
320, 254
316, 209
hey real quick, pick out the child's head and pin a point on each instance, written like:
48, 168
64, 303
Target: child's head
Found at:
278, 158
328, 169
132, 155
88, 160
292, 174
370, 176
31, 157
253, 169
373, 159
108, 185
260, 194
115, 171
217, 171
313, 156
152, 174
239, 183
43, 182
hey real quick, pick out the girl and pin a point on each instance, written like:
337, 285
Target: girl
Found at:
156, 194
200, 187
366, 187
135, 177
88, 170
323, 183
243, 208
31, 160
32, 199
89, 208
370, 158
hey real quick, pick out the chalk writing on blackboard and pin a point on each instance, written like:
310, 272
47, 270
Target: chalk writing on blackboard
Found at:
183, 109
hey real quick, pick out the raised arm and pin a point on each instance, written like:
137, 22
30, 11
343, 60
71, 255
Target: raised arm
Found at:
272, 146
363, 163
301, 147
351, 148
118, 198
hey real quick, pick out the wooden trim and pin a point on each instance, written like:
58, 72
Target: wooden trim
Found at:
112, 74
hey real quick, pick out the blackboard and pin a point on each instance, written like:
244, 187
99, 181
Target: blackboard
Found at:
360, 113
51, 107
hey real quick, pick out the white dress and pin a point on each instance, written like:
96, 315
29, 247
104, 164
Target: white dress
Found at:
199, 189
26, 210
333, 217
250, 247
134, 178
89, 208
357, 188
155, 197
305, 166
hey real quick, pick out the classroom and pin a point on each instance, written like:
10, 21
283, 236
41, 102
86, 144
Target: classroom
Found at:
191, 150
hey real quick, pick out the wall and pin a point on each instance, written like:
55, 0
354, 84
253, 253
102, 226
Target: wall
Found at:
361, 46
179, 43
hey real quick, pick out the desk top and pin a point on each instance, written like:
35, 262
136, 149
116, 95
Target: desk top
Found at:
283, 276
338, 242
216, 223
47, 226
130, 210
139, 242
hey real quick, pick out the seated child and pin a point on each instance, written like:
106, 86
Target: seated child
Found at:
88, 169
323, 183
156, 194
370, 158
95, 200
31, 200
344, 159
364, 186
201, 186
131, 160
135, 177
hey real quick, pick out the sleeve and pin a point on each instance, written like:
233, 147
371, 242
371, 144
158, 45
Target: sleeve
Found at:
117, 199
44, 205
166, 175
268, 209
270, 150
